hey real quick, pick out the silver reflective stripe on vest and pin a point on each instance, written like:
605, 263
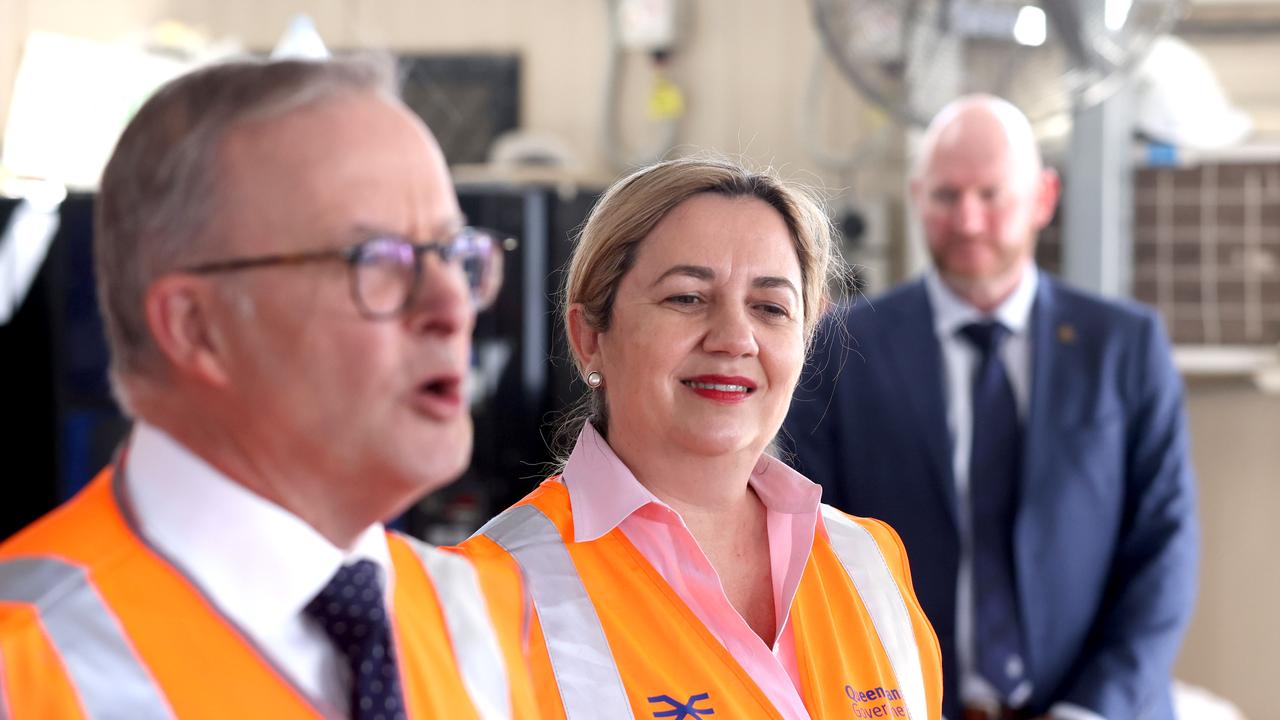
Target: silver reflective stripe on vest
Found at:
862, 560
586, 673
475, 643
107, 675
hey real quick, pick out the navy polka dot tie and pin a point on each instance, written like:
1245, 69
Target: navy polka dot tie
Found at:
351, 612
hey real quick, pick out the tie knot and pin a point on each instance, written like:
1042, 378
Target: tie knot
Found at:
350, 607
985, 336
351, 612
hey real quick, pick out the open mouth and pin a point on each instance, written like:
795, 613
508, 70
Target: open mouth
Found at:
440, 396
444, 388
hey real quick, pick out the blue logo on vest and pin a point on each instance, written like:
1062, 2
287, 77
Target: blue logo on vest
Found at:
682, 710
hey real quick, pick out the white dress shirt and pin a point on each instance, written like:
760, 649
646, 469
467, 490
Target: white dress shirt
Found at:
959, 362
256, 562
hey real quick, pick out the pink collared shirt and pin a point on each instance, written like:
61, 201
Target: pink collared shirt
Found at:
604, 494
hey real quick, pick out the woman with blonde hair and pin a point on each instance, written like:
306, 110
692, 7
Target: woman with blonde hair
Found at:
678, 570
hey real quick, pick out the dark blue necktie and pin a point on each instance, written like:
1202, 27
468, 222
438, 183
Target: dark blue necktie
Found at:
351, 612
994, 468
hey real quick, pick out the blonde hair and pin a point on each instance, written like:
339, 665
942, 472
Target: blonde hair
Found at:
633, 207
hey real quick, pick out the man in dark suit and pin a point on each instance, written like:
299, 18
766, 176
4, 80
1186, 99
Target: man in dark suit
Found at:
1026, 439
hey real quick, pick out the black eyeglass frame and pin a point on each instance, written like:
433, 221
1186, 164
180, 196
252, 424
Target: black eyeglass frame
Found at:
446, 250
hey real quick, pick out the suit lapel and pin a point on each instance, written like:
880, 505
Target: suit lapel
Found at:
1044, 359
1047, 387
914, 353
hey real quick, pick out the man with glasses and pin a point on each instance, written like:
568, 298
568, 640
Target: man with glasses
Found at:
289, 290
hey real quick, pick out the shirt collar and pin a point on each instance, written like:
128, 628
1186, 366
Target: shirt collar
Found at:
603, 492
259, 563
952, 312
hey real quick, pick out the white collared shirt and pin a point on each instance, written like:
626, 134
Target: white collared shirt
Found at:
256, 562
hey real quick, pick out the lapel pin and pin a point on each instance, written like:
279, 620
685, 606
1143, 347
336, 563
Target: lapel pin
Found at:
1066, 334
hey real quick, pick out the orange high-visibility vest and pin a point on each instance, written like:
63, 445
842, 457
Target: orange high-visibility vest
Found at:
613, 640
95, 624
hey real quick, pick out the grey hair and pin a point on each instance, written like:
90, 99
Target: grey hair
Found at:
157, 200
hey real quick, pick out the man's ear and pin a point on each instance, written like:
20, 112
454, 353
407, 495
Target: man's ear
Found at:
183, 324
583, 338
1048, 189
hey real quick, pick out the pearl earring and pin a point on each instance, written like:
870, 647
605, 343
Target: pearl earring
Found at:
594, 379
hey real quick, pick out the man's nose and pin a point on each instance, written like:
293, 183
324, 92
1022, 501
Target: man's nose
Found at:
442, 303
970, 214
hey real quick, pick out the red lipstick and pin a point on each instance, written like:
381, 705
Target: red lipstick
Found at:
721, 388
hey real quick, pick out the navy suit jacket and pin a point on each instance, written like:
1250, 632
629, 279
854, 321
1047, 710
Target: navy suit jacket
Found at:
1105, 540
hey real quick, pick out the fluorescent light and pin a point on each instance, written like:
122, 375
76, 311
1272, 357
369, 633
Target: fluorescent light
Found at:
1115, 12
1029, 28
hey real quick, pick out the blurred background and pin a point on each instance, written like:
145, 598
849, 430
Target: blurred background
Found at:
1163, 118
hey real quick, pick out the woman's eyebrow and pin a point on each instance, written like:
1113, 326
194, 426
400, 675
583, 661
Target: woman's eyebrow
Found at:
698, 272
773, 281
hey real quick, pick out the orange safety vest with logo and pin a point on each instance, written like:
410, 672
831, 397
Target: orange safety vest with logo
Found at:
613, 640
95, 624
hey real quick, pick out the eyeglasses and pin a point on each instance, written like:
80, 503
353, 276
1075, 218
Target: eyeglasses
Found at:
385, 271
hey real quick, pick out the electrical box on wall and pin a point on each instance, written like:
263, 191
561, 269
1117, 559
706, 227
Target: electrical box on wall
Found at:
647, 25
872, 256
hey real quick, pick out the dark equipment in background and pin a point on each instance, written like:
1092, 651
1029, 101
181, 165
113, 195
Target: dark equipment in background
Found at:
59, 415
466, 100
521, 371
